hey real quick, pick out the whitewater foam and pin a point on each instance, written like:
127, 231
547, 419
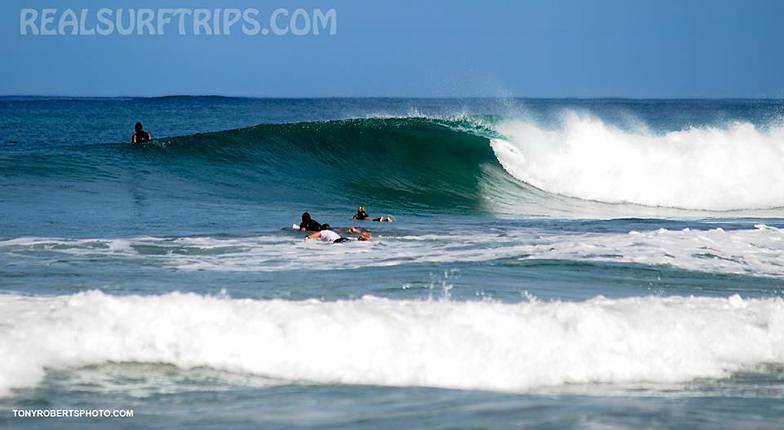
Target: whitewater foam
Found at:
733, 167
758, 251
464, 345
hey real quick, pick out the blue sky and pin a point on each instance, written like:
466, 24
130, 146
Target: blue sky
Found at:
408, 48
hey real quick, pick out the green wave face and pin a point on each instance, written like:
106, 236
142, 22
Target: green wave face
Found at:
391, 164
415, 163
411, 162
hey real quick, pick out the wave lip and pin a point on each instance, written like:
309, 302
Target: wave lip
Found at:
702, 168
463, 345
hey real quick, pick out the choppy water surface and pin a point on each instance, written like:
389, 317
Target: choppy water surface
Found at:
553, 263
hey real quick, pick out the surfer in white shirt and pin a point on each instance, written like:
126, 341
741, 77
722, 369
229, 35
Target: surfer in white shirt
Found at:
328, 234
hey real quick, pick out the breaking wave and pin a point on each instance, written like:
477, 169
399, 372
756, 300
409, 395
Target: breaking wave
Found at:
733, 167
581, 165
464, 345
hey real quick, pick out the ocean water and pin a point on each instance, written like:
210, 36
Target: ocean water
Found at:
552, 264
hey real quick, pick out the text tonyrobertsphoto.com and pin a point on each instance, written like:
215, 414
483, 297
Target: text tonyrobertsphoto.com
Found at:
72, 413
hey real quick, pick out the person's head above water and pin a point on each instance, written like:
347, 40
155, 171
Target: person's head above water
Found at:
361, 214
326, 227
308, 223
139, 135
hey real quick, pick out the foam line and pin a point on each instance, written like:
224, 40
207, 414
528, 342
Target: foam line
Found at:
757, 251
463, 345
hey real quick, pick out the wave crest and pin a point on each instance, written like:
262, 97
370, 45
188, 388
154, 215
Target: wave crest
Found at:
709, 168
582, 168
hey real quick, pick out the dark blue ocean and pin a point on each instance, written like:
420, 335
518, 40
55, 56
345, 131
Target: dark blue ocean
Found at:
578, 264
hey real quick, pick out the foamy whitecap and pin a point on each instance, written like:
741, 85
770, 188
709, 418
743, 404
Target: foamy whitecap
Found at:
464, 345
737, 166
757, 251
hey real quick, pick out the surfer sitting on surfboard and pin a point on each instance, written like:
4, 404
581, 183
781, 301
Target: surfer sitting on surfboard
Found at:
308, 223
328, 234
139, 135
362, 215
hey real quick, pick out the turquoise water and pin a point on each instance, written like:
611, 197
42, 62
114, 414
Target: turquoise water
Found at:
553, 263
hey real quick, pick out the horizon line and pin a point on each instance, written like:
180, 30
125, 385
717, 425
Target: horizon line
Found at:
41, 96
